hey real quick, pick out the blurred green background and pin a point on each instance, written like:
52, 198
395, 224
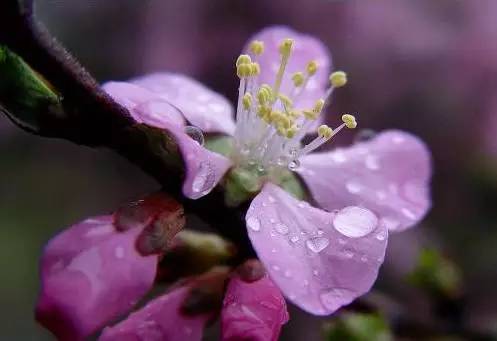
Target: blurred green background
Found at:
428, 67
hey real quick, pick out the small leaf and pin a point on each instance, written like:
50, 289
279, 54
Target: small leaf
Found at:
25, 96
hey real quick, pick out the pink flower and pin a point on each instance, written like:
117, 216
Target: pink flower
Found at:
320, 257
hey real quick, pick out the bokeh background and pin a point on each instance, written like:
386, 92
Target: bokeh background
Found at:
425, 66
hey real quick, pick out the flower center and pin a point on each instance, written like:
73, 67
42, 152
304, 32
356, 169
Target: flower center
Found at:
269, 127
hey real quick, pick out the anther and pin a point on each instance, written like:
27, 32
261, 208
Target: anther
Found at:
243, 59
312, 67
247, 101
257, 47
349, 121
325, 132
338, 79
298, 79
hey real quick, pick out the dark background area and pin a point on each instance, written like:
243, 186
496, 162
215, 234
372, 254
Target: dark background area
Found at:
427, 67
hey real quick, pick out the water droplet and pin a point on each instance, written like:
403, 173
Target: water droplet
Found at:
272, 220
254, 224
302, 204
294, 165
288, 273
261, 169
271, 199
320, 232
348, 253
408, 213
294, 239
293, 152
306, 282
353, 187
355, 222
338, 157
372, 162
364, 135
341, 241
381, 195
273, 250
315, 272
276, 268
195, 133
334, 298
245, 150
281, 228
317, 244
204, 179
264, 204
364, 259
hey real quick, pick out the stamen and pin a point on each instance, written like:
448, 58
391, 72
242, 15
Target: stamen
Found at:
338, 79
257, 47
285, 51
349, 121
298, 79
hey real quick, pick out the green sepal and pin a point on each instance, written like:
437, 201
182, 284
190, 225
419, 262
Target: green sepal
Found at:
25, 96
240, 185
293, 185
220, 144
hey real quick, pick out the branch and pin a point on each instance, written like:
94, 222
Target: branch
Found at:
92, 118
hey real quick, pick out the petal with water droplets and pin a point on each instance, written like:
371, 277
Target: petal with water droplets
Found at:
389, 174
161, 319
252, 310
325, 260
203, 168
201, 106
91, 274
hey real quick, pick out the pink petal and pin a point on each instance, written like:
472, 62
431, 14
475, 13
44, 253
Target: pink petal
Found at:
90, 274
305, 49
320, 260
144, 105
389, 174
252, 311
204, 168
204, 108
161, 319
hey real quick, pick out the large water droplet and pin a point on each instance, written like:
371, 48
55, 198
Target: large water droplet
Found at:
281, 228
294, 165
317, 244
204, 179
254, 224
195, 133
355, 222
334, 298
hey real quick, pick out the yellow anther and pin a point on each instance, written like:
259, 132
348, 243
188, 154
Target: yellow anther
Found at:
338, 79
298, 79
243, 59
247, 101
264, 94
286, 47
287, 102
264, 113
312, 67
325, 132
311, 115
318, 107
294, 114
243, 70
281, 130
255, 69
349, 121
257, 47
292, 131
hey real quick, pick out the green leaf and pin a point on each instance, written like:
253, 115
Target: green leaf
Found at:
24, 95
436, 274
358, 327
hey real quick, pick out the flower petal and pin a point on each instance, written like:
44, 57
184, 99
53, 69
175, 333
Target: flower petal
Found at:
320, 260
204, 108
144, 106
161, 319
90, 274
389, 174
305, 49
252, 310
203, 168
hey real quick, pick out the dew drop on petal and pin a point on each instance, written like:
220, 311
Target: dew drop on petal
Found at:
317, 244
254, 224
281, 228
271, 199
288, 273
353, 187
381, 236
276, 268
390, 223
372, 162
334, 298
119, 252
294, 239
408, 213
355, 222
204, 179
294, 165
195, 133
